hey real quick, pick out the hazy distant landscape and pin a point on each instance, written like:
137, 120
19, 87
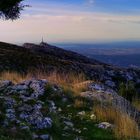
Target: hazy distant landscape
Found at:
124, 54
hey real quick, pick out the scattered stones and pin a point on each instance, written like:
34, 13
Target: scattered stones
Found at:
10, 114
59, 109
77, 130
78, 138
92, 117
25, 128
69, 106
102, 88
95, 86
69, 124
82, 113
52, 106
35, 136
66, 128
110, 83
104, 125
22, 105
64, 99
85, 129
45, 137
5, 84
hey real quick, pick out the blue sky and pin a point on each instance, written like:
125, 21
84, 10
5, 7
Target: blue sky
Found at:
75, 21
108, 6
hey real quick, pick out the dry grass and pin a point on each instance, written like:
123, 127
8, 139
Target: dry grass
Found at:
54, 76
12, 76
81, 86
79, 103
125, 127
77, 82
105, 114
65, 78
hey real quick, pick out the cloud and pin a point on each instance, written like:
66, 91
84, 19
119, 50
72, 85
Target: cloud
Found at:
91, 1
67, 14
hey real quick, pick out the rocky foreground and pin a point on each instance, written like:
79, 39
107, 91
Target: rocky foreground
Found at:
36, 109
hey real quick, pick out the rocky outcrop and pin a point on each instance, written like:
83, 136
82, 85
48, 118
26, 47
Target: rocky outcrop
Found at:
20, 104
106, 95
36, 107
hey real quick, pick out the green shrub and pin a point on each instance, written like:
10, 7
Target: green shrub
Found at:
128, 91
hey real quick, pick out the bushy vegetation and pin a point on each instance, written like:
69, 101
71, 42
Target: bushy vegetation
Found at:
128, 91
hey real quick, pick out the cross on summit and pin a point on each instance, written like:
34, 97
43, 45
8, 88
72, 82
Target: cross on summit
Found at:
43, 44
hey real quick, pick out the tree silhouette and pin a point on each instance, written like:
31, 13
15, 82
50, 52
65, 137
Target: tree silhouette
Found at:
10, 9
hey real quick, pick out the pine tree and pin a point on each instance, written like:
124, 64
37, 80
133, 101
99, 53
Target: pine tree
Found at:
11, 9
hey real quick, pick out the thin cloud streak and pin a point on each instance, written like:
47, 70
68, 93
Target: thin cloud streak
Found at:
86, 27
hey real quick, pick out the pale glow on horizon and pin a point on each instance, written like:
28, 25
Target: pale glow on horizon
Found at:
69, 26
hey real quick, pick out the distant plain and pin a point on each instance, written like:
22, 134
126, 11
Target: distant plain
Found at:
124, 54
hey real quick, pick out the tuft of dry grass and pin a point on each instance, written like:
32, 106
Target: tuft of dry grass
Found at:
12, 76
79, 103
107, 114
66, 78
81, 86
76, 82
125, 126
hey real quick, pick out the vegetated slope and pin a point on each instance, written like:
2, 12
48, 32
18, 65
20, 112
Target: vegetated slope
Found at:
47, 57
13, 57
44, 48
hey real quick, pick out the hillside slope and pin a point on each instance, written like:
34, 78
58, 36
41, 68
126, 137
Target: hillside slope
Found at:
46, 57
38, 107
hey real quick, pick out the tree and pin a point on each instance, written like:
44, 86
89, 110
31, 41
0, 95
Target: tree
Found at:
10, 9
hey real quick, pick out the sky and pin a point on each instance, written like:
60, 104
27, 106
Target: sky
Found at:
74, 21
